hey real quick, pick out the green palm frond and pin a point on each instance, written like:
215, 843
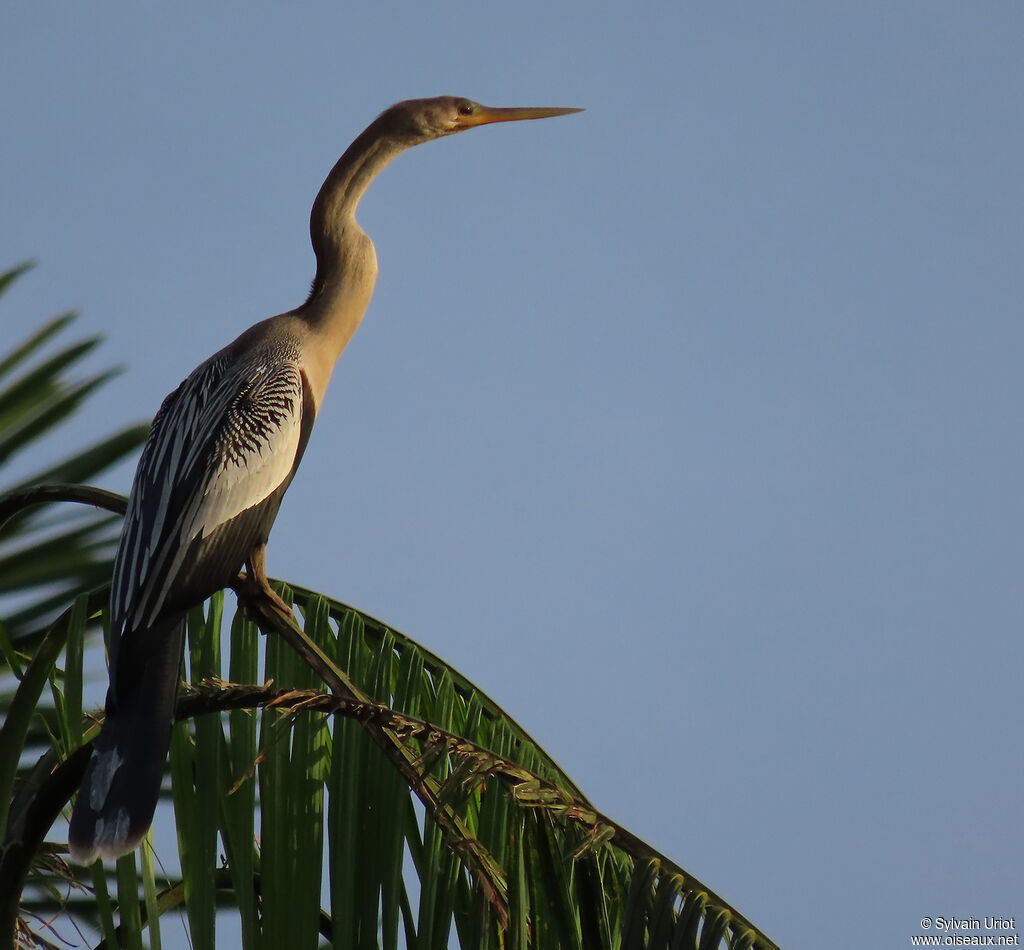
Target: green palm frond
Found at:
402, 807
48, 557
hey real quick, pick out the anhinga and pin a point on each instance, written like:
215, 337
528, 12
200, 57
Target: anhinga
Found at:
221, 453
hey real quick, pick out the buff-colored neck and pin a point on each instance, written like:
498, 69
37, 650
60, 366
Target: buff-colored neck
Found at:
346, 262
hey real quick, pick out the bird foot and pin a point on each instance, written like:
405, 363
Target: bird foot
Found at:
253, 587
252, 596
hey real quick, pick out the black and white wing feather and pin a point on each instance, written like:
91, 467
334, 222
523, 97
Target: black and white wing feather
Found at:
220, 455
225, 441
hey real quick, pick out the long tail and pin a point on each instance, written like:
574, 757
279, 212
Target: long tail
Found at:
119, 793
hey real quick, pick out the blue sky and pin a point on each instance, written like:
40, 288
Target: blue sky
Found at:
688, 427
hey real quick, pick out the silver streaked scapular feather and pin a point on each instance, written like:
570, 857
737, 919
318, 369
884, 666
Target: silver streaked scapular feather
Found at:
223, 442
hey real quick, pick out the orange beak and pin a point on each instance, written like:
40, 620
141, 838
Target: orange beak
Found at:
484, 115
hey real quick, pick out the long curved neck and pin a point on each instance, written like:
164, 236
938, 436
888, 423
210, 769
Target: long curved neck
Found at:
346, 263
332, 223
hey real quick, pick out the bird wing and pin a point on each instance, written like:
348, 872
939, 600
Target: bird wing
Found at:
221, 443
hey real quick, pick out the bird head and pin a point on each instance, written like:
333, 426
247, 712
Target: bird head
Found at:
424, 119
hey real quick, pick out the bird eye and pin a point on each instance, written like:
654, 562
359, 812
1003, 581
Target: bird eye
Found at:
466, 108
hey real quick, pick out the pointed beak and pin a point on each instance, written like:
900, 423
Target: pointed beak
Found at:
484, 115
